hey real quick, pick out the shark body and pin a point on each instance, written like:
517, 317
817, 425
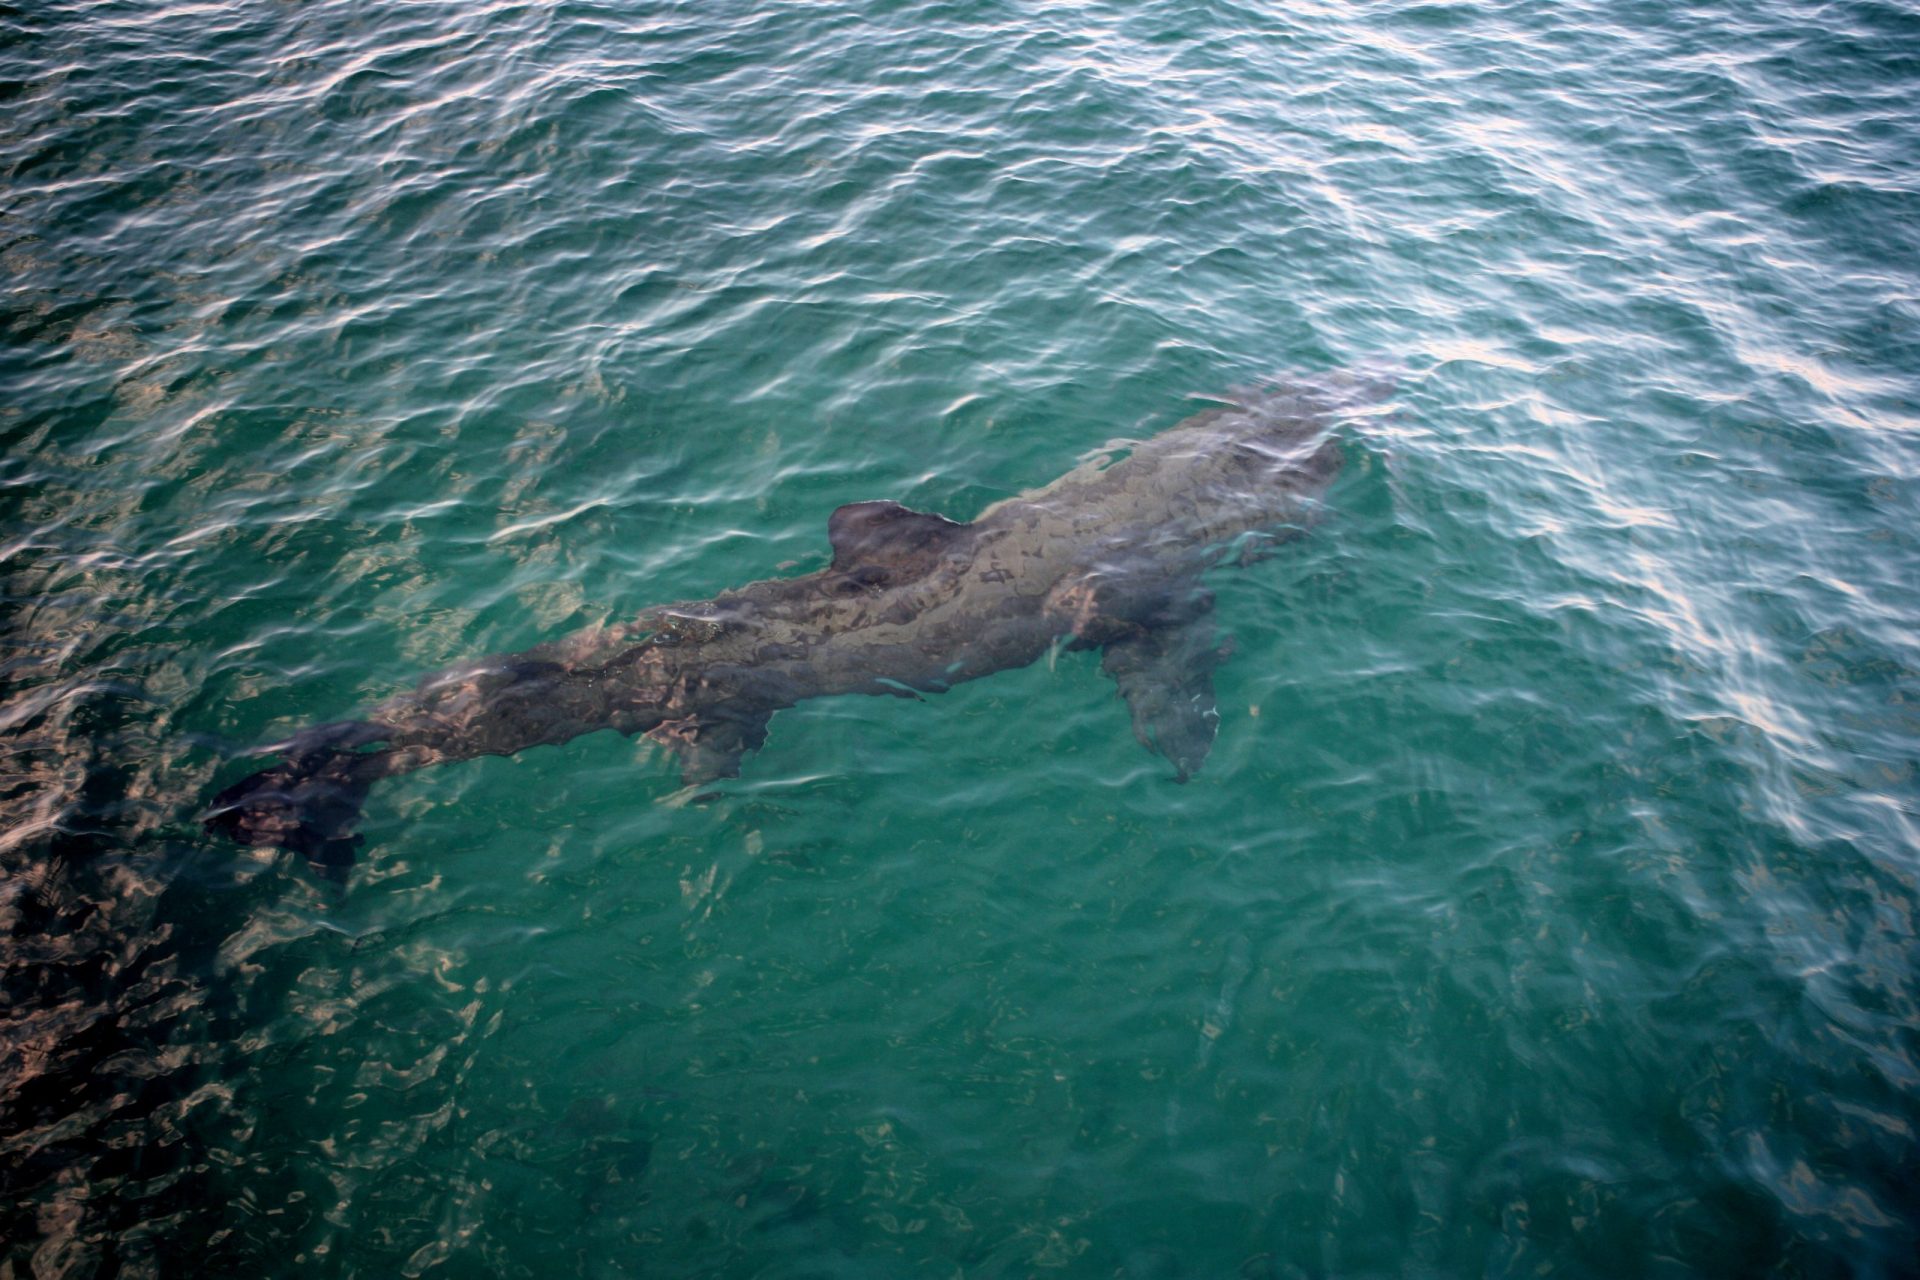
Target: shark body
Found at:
1109, 556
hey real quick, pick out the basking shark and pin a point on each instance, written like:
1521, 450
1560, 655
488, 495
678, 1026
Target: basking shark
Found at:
1109, 556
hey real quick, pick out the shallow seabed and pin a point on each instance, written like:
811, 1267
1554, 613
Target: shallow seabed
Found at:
1548, 905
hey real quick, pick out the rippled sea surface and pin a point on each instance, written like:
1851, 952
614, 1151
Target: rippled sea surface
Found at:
1548, 904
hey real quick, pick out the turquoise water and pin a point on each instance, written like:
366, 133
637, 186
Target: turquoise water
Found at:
1547, 906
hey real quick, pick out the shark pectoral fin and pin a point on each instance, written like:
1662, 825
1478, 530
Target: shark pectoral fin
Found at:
888, 540
1166, 676
710, 746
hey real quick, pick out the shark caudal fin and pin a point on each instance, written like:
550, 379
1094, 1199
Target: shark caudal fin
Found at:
308, 803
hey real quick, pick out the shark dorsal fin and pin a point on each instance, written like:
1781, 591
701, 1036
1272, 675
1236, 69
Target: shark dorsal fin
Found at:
889, 539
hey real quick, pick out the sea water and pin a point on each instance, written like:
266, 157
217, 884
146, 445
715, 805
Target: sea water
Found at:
1547, 905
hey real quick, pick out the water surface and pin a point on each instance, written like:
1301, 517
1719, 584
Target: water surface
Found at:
1547, 905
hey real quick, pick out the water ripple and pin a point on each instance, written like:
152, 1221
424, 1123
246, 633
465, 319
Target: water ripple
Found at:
1549, 900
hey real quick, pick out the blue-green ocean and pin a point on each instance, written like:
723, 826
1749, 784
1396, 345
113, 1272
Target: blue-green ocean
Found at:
1548, 905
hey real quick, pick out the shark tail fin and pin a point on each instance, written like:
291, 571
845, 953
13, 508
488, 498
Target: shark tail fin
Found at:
309, 802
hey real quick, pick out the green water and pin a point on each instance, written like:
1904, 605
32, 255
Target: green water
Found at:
1548, 903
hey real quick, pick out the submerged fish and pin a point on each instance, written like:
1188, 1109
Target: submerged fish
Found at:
1109, 556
